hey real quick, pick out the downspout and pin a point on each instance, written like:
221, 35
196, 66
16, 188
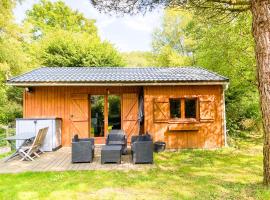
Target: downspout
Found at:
225, 87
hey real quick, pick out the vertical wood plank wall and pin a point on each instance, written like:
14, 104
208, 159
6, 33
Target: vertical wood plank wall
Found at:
56, 101
200, 134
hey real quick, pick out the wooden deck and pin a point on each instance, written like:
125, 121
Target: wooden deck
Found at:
60, 160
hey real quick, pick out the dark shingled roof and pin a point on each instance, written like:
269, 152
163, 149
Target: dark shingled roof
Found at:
69, 75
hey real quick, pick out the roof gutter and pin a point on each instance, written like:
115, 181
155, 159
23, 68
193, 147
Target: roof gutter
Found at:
35, 84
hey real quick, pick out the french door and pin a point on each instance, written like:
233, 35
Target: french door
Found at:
105, 115
96, 115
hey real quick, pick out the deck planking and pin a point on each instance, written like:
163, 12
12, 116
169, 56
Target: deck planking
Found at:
60, 160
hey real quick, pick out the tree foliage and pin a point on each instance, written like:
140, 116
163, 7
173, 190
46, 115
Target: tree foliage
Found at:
67, 38
68, 49
213, 8
170, 45
47, 16
138, 59
171, 32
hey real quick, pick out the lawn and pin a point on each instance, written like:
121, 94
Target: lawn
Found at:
228, 173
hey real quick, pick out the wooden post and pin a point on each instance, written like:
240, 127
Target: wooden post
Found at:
182, 104
105, 115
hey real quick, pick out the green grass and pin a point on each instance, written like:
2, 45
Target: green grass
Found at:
228, 173
3, 155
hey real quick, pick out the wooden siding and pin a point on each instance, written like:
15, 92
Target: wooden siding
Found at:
58, 101
207, 131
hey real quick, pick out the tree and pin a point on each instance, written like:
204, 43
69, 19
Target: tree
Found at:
170, 45
47, 16
169, 57
138, 59
65, 38
67, 49
171, 33
224, 9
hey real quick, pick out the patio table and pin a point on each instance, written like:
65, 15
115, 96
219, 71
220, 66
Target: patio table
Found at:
111, 154
24, 137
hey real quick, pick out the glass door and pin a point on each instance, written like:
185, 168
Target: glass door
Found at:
114, 112
97, 115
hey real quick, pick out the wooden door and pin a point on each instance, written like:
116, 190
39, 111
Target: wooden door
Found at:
79, 115
130, 114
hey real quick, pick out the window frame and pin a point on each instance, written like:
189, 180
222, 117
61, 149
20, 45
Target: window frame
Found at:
180, 101
182, 118
196, 108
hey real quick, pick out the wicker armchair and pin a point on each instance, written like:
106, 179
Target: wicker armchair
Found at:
117, 137
142, 149
82, 150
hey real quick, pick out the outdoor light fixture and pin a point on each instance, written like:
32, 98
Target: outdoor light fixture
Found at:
29, 89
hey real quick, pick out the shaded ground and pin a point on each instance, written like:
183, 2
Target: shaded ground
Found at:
229, 173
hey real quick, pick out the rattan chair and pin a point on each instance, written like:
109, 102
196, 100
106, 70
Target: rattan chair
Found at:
83, 150
142, 149
117, 137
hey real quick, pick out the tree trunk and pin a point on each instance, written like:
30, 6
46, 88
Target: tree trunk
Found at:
261, 33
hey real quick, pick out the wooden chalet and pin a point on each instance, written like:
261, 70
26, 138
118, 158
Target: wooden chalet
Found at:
183, 106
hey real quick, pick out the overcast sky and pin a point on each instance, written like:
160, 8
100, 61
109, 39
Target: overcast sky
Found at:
128, 33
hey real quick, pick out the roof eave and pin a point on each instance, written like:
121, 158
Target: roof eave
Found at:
37, 84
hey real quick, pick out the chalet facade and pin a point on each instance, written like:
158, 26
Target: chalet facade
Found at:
183, 106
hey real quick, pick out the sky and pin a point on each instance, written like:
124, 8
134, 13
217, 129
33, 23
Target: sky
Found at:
128, 33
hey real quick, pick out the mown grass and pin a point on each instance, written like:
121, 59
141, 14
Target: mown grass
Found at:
228, 173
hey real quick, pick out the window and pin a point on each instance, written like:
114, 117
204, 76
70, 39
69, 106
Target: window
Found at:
190, 108
175, 108
184, 108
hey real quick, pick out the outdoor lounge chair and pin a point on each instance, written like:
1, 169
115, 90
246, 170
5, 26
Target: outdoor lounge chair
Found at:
142, 149
31, 151
83, 150
117, 137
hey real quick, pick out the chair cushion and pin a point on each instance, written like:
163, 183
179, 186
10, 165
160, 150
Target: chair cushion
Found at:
116, 142
116, 137
144, 138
